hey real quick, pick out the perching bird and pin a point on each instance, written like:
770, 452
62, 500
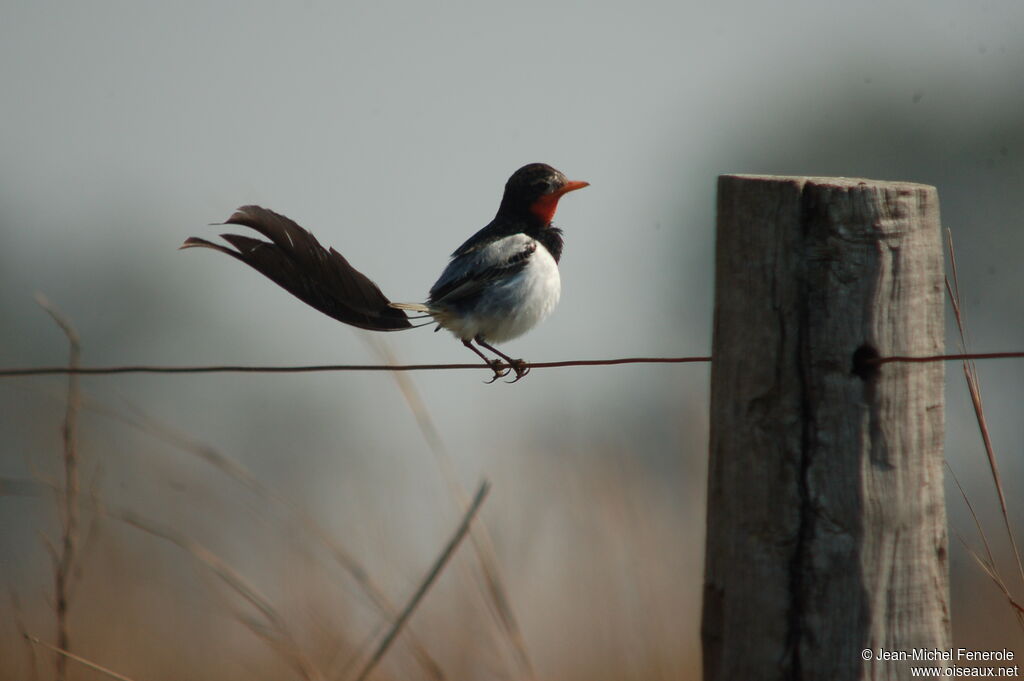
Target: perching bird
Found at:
498, 285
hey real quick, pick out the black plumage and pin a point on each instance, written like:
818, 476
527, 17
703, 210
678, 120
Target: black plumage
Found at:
296, 261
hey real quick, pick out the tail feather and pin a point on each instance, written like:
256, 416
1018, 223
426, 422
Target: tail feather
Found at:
412, 307
295, 261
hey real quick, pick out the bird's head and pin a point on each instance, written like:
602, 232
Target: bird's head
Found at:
534, 190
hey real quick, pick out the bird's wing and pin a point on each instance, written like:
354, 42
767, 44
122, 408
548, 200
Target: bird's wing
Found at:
467, 274
296, 261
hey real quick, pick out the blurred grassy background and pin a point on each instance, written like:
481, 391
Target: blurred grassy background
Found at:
388, 131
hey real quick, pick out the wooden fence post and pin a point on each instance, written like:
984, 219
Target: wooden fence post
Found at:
826, 529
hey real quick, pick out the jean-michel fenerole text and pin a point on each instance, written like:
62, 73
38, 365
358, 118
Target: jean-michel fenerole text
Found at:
933, 654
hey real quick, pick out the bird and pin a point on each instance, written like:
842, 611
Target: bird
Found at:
499, 284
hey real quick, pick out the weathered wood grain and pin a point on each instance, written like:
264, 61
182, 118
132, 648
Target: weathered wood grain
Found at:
826, 529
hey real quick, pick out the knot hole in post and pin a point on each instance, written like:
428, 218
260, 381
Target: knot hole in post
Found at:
865, 364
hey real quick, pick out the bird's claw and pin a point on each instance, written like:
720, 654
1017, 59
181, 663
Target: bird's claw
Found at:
499, 369
520, 368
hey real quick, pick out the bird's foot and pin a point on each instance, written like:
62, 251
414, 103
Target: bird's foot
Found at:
520, 368
499, 369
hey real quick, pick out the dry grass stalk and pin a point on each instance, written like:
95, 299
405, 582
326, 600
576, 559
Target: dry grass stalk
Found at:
427, 582
19, 624
68, 655
271, 627
236, 471
139, 420
64, 556
494, 587
987, 563
974, 388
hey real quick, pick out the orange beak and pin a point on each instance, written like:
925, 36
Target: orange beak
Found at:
544, 207
571, 186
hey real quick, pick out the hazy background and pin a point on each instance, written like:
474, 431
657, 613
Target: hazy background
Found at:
389, 131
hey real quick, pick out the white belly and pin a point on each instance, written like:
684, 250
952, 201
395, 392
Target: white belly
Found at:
513, 307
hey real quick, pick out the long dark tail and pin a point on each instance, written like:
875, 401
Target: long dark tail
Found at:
296, 261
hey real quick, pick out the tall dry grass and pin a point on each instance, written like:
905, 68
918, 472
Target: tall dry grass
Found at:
192, 567
985, 560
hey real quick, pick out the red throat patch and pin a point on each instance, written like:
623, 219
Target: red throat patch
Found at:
545, 207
